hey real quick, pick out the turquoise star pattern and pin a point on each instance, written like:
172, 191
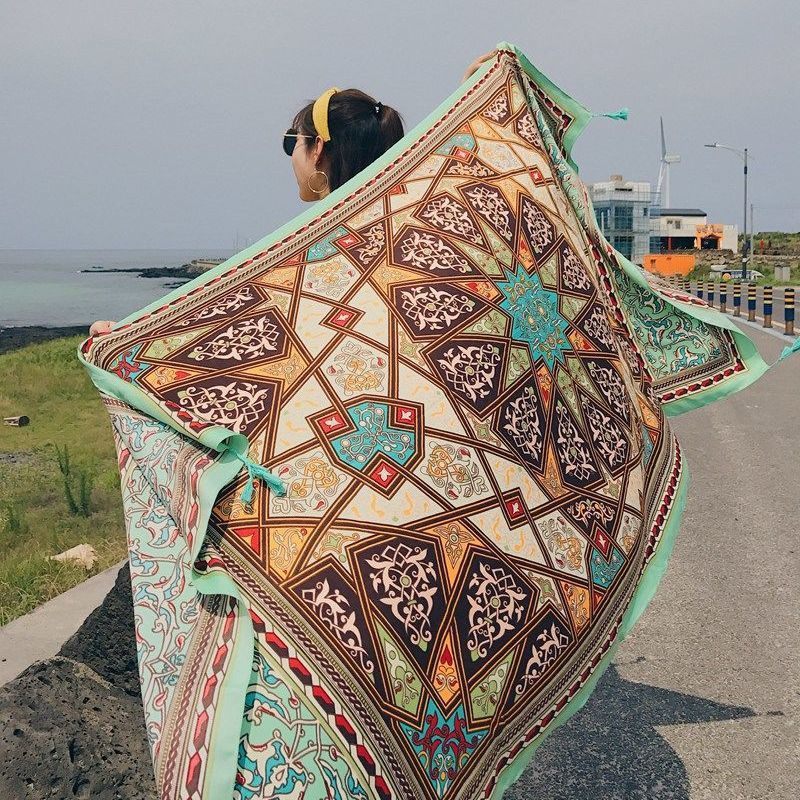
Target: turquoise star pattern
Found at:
536, 320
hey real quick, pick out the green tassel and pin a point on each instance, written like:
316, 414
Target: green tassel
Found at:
249, 488
794, 347
255, 470
621, 114
270, 478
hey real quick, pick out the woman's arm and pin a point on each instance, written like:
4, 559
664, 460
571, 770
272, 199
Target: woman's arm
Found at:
478, 61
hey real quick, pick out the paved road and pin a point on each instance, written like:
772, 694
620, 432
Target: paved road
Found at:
703, 702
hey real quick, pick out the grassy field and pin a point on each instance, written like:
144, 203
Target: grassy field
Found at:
776, 243
42, 511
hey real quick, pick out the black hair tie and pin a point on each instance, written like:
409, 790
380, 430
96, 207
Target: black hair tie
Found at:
378, 107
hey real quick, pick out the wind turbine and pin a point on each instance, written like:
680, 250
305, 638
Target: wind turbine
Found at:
663, 172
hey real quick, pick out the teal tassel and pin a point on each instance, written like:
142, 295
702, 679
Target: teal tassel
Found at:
621, 114
258, 471
270, 478
249, 488
794, 347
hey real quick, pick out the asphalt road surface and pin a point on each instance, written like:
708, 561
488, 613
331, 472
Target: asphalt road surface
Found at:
703, 702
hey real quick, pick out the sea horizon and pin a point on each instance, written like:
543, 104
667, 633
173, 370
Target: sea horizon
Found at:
47, 286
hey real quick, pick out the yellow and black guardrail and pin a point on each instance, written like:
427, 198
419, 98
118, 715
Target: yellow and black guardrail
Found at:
717, 293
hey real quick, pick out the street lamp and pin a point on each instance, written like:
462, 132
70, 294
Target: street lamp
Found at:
743, 155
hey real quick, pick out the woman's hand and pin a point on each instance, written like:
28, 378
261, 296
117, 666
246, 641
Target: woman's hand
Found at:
476, 64
100, 327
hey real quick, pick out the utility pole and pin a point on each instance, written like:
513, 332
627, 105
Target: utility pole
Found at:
745, 255
743, 155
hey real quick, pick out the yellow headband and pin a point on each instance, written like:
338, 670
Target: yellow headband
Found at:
320, 113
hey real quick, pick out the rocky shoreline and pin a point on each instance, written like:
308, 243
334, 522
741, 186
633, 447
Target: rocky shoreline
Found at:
187, 271
12, 338
16, 337
149, 272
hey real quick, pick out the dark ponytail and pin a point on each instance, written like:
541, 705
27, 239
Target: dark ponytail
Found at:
359, 132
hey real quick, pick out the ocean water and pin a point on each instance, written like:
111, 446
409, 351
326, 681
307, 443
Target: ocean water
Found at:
46, 287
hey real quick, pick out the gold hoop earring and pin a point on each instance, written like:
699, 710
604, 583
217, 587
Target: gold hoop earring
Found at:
311, 188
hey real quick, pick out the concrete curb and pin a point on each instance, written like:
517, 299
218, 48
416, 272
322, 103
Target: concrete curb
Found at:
42, 633
760, 327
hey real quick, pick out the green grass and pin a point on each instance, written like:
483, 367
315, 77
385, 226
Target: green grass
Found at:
44, 510
775, 242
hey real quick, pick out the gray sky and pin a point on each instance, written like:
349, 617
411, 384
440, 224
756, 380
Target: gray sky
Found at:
158, 124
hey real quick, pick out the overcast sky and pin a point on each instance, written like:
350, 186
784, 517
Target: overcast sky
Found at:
158, 124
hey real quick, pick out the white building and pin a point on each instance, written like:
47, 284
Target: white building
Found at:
689, 229
623, 212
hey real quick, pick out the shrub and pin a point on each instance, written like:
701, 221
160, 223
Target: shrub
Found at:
78, 498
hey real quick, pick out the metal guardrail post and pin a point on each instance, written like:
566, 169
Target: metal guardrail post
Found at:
737, 299
751, 302
723, 297
788, 310
767, 306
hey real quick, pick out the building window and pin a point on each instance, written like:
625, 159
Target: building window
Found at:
624, 244
623, 218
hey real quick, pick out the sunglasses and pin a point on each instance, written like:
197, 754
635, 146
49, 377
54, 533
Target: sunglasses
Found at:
290, 139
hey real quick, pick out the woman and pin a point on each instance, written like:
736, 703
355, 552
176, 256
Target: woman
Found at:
469, 490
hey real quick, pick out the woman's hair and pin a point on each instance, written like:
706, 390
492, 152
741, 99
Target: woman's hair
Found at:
359, 134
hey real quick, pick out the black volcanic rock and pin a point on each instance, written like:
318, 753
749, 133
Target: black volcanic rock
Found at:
16, 337
67, 733
106, 641
72, 726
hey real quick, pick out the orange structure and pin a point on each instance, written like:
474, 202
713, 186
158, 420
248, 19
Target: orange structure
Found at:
708, 237
669, 263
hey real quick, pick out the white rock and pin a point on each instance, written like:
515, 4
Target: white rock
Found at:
82, 554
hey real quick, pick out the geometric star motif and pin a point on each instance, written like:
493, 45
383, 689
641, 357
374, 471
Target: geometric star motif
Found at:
535, 315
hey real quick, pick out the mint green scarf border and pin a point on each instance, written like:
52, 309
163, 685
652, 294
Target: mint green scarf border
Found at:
224, 745
754, 361
648, 583
582, 116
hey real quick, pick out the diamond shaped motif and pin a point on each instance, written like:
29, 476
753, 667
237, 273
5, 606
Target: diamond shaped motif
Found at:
384, 473
342, 318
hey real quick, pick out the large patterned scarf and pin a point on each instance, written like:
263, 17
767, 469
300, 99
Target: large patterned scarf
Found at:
398, 478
